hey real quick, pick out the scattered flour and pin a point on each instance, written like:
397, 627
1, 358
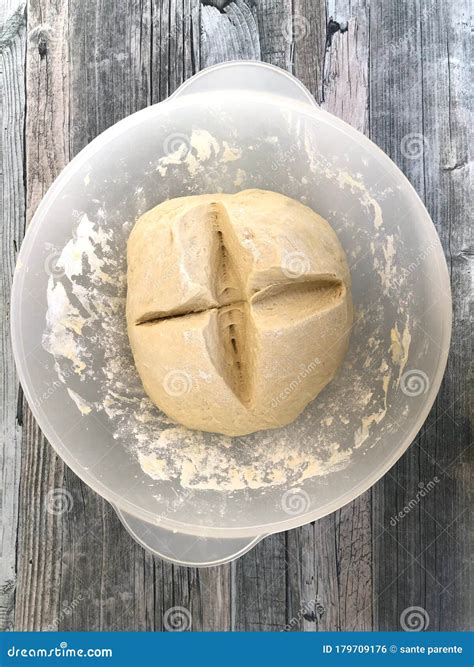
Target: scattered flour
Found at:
86, 332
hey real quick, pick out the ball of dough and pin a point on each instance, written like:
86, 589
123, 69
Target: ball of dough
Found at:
238, 309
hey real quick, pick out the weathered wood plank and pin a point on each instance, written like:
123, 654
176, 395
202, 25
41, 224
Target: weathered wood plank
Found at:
304, 607
47, 86
447, 555
418, 53
38, 569
355, 563
308, 49
259, 587
333, 560
396, 112
175, 46
109, 65
345, 91
39, 537
192, 599
12, 205
229, 34
39, 546
275, 29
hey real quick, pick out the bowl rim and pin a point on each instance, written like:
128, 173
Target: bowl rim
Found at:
422, 218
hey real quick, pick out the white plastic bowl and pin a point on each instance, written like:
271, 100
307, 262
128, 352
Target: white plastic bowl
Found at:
263, 130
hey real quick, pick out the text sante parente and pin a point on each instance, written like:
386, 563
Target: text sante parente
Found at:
430, 650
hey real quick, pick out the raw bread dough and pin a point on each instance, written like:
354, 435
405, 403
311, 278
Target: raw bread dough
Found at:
238, 309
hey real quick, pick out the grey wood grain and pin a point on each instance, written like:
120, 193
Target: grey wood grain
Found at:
343, 541
275, 28
12, 205
259, 587
229, 34
418, 89
175, 45
390, 71
39, 535
309, 23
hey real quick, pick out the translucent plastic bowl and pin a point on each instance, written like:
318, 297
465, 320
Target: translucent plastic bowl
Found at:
231, 127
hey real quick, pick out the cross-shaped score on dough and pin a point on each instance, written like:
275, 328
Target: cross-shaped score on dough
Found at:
240, 313
229, 333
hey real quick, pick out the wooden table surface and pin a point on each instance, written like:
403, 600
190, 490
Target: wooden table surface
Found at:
394, 70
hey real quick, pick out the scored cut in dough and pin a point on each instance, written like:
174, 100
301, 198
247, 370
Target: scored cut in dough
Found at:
238, 309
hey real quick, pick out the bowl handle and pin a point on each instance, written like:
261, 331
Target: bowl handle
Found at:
246, 75
182, 549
